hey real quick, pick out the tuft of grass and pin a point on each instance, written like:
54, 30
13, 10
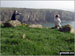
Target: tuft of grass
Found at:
37, 41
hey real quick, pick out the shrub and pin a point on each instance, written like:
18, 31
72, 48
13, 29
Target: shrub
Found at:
25, 24
66, 28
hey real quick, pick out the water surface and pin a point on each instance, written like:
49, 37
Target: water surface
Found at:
51, 24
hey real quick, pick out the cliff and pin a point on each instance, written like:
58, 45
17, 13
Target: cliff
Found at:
35, 15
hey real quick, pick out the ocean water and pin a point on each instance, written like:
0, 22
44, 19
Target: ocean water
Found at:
51, 24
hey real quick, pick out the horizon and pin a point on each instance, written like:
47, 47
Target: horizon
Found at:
59, 5
38, 8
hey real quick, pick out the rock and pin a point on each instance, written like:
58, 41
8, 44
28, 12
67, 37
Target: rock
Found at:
23, 36
12, 23
1, 22
47, 27
66, 28
72, 31
36, 26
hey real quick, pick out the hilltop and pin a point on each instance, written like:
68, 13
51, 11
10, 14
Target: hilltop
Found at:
36, 41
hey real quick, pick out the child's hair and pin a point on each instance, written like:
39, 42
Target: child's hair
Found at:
57, 15
15, 11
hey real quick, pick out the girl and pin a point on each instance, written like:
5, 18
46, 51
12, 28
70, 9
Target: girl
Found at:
57, 21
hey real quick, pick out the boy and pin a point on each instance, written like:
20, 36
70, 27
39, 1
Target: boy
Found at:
15, 13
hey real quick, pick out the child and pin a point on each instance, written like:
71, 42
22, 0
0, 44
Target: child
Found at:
57, 21
15, 13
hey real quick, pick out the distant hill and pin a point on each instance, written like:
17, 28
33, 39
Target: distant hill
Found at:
36, 15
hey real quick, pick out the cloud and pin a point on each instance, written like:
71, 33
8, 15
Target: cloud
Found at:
64, 5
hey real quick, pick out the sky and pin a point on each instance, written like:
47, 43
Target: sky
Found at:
63, 5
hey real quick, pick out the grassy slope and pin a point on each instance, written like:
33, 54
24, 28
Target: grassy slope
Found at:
37, 42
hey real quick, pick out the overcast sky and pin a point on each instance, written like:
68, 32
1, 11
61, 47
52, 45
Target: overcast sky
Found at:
64, 5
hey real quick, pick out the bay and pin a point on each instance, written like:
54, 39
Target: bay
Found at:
52, 24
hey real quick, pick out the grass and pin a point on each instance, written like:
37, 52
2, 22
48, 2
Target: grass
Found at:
38, 41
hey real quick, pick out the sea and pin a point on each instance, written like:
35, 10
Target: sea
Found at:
51, 24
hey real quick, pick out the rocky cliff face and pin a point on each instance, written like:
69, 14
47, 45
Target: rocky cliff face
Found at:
35, 15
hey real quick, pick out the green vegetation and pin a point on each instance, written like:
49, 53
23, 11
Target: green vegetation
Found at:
37, 41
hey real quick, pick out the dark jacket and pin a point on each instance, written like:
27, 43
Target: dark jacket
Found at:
14, 16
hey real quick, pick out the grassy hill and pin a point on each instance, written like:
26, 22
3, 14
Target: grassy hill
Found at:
37, 41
